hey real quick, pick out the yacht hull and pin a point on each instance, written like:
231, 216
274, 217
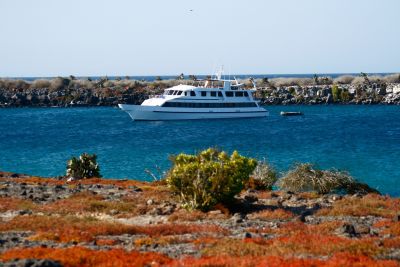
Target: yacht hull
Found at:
156, 113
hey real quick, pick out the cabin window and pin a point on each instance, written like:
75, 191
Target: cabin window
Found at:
209, 105
239, 94
213, 93
245, 93
192, 93
203, 93
229, 94
220, 94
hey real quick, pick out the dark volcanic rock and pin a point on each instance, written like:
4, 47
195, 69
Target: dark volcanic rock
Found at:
347, 230
32, 263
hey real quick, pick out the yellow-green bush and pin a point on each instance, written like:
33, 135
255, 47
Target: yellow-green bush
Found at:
208, 178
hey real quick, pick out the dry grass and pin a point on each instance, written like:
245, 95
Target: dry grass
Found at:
106, 242
392, 78
74, 229
295, 244
372, 204
279, 82
162, 240
10, 204
85, 202
309, 195
93, 181
187, 216
292, 228
305, 177
277, 214
388, 227
40, 84
344, 79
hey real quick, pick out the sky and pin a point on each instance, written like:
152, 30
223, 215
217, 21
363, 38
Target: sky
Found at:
44, 38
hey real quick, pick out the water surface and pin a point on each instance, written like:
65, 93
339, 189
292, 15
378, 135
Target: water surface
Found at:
364, 140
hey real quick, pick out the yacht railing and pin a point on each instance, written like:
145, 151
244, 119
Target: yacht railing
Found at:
156, 96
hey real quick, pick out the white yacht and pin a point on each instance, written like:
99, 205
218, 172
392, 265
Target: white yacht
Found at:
206, 99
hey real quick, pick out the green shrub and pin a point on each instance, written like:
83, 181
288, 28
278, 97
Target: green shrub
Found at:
83, 167
208, 178
304, 177
336, 93
264, 176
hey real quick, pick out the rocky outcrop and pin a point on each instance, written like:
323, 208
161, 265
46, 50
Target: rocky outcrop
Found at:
110, 93
153, 220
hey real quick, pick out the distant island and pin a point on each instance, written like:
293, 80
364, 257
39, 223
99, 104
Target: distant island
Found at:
70, 91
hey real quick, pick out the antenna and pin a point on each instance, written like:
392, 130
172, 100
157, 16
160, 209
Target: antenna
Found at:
237, 83
219, 72
253, 82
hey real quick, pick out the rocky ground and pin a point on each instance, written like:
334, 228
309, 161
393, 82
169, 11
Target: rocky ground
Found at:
51, 222
66, 92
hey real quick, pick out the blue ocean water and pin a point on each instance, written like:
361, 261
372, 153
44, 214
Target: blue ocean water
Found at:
364, 140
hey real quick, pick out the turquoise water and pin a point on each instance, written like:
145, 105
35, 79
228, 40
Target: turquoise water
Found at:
364, 140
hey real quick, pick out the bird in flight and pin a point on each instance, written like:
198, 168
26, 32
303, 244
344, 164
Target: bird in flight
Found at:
191, 10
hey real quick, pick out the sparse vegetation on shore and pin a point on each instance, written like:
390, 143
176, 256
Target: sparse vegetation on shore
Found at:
97, 221
70, 91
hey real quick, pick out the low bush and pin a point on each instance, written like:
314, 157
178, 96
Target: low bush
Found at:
210, 177
264, 176
392, 78
305, 177
344, 79
40, 84
83, 167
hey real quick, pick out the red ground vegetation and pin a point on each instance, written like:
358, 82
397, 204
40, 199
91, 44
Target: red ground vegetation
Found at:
79, 256
74, 229
187, 216
105, 242
388, 227
276, 214
290, 228
338, 260
87, 202
295, 244
51, 181
9, 204
371, 204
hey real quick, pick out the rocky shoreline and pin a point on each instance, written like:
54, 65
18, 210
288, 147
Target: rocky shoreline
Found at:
101, 215
70, 92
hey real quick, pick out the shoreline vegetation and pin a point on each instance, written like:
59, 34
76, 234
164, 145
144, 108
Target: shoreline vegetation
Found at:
70, 91
210, 209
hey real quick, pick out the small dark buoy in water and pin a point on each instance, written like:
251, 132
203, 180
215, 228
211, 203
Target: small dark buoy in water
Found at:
291, 113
